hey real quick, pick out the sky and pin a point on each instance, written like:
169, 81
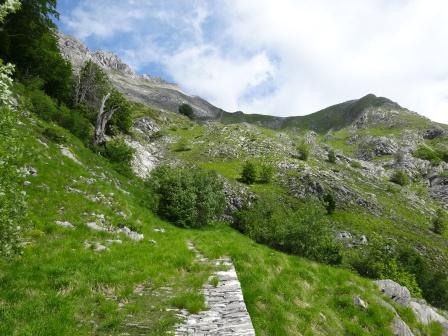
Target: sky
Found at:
282, 57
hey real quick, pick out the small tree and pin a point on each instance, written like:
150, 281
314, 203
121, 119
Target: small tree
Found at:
186, 110
249, 173
188, 197
439, 223
400, 177
266, 173
304, 150
331, 156
330, 203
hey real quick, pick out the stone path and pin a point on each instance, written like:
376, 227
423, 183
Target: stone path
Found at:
226, 314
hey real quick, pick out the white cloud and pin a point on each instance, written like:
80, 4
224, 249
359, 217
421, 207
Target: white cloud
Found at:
310, 54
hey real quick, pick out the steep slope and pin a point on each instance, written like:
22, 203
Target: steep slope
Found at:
74, 278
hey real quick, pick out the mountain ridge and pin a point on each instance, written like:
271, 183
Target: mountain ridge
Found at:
155, 92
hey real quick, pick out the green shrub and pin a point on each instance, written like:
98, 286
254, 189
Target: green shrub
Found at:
120, 155
330, 203
121, 120
440, 223
379, 260
182, 146
188, 197
426, 153
76, 123
355, 164
304, 150
249, 174
400, 177
186, 110
54, 134
331, 156
43, 105
302, 230
266, 173
12, 201
433, 283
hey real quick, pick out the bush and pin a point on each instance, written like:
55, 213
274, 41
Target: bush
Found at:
186, 110
304, 150
331, 156
330, 203
76, 123
121, 120
426, 153
54, 134
120, 155
400, 178
12, 201
249, 173
43, 105
379, 260
439, 223
189, 198
302, 230
182, 146
266, 173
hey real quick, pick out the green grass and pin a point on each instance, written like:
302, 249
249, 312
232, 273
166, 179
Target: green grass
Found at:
57, 287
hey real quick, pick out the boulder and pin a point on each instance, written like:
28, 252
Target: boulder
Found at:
395, 291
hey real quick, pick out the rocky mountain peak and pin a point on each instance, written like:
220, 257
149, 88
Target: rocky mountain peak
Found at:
111, 61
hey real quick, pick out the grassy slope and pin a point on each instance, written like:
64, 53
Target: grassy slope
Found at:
400, 222
57, 287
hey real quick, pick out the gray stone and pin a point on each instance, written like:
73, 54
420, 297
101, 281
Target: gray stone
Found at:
426, 314
395, 291
65, 224
360, 302
131, 234
94, 226
400, 328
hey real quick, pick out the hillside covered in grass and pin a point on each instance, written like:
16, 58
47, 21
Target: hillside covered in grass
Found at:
336, 222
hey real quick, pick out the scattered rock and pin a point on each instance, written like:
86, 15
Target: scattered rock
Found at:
360, 302
27, 183
114, 241
97, 247
131, 234
161, 230
65, 224
68, 153
344, 235
94, 226
363, 240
